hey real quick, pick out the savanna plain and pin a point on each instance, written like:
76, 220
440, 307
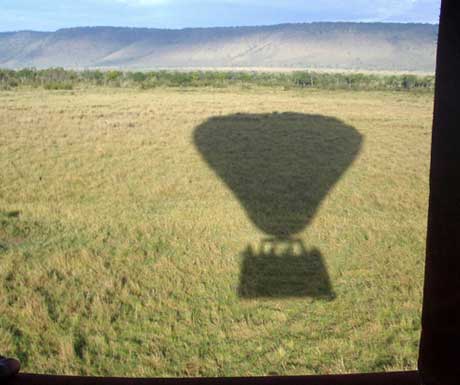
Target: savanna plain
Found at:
212, 232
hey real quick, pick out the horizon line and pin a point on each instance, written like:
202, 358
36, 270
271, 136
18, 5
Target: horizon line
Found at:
219, 27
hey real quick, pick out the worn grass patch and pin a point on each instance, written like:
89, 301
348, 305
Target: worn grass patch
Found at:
212, 232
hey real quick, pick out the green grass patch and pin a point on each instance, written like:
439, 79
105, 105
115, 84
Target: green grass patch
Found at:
212, 232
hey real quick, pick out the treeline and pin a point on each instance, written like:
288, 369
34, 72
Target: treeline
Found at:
61, 79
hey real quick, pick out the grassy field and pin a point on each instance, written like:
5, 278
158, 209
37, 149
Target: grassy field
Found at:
206, 232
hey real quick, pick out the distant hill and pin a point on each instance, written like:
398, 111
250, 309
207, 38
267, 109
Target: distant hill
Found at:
355, 46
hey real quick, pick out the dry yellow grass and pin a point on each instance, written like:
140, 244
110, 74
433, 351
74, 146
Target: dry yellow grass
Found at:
121, 248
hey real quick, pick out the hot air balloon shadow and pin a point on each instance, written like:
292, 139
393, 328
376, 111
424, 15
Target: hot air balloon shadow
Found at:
280, 166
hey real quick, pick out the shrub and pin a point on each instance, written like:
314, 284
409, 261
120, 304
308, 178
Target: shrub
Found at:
58, 86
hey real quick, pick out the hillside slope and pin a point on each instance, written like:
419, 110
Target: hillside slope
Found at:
368, 46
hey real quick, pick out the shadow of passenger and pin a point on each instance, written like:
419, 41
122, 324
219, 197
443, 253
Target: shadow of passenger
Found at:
284, 269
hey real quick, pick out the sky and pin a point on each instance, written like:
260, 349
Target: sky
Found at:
50, 15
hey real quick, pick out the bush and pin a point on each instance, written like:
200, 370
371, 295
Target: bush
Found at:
58, 86
113, 76
138, 77
61, 79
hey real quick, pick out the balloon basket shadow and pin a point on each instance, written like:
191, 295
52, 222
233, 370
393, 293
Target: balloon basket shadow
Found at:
284, 268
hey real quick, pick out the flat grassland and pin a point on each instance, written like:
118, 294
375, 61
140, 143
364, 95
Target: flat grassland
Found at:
212, 232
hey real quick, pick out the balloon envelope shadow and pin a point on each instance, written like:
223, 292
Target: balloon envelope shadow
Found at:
280, 167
